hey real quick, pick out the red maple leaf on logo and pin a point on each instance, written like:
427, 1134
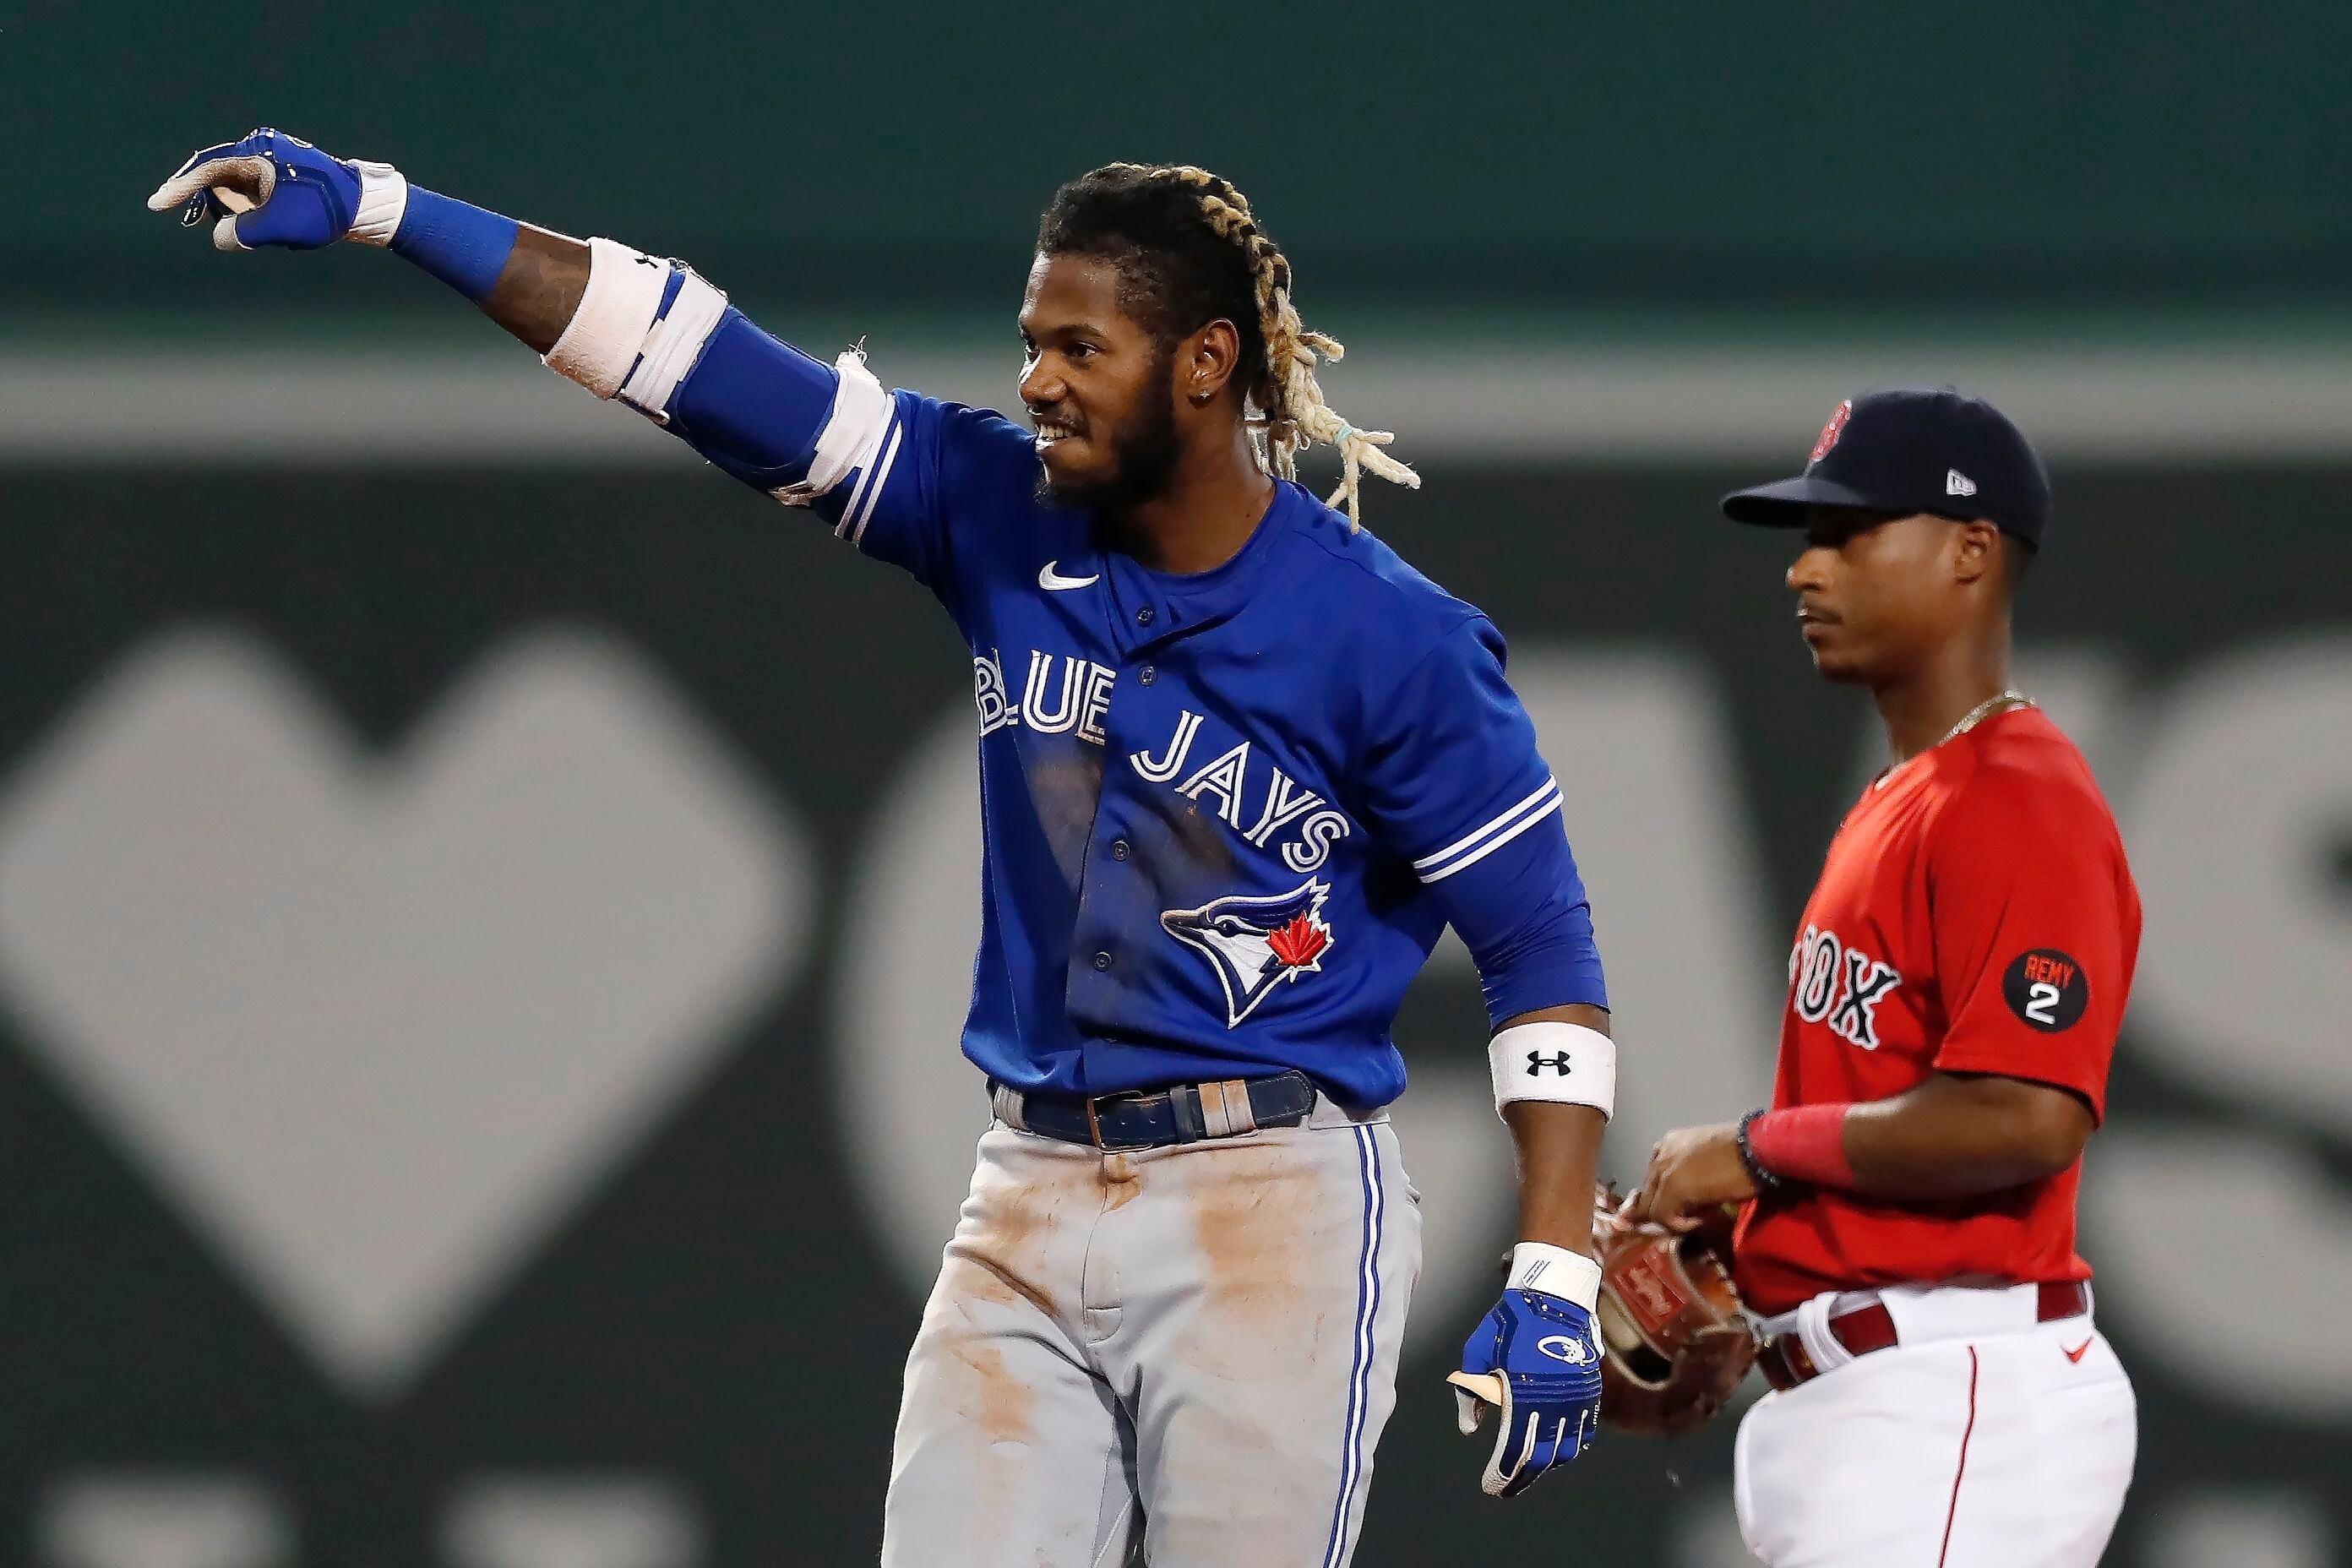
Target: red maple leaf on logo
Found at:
1297, 943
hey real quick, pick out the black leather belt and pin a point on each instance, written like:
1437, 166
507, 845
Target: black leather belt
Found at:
1159, 1117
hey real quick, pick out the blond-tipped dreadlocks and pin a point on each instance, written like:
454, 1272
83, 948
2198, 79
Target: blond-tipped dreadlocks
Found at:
1195, 252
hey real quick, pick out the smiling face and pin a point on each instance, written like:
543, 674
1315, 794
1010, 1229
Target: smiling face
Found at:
1877, 594
1099, 386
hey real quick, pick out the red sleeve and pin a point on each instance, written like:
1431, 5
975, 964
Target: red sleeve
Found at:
2035, 928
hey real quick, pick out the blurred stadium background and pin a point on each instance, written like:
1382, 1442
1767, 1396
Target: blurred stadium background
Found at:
485, 904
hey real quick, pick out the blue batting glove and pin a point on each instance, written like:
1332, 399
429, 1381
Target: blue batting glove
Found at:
1534, 1359
269, 189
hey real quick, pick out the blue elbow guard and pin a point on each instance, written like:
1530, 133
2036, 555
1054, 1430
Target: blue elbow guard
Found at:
753, 404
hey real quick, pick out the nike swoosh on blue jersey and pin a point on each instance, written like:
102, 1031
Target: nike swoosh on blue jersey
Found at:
1053, 582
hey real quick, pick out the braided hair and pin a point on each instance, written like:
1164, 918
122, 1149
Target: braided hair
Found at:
1188, 251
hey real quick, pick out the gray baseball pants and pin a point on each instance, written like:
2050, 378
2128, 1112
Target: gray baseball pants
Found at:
1185, 1352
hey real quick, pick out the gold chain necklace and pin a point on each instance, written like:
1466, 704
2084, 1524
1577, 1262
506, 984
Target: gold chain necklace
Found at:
1982, 712
1975, 716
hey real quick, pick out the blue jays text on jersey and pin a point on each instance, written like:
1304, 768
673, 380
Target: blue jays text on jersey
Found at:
1226, 815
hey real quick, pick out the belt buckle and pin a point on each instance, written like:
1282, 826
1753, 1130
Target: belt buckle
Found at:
1094, 1123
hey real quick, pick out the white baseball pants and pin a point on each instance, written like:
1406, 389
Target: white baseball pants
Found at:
1982, 1439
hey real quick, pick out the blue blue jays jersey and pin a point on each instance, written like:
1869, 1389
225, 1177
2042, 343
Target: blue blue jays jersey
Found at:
1226, 817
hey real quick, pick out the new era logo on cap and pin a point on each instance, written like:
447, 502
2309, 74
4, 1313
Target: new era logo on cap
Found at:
1957, 483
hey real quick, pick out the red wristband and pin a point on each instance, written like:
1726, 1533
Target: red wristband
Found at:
1803, 1144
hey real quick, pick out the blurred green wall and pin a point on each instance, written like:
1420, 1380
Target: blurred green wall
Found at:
1519, 153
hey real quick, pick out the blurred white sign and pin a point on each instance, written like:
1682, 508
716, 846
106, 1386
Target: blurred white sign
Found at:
571, 1522
130, 1521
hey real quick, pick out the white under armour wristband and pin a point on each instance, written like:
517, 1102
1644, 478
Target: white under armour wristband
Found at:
621, 342
1565, 1063
1555, 1271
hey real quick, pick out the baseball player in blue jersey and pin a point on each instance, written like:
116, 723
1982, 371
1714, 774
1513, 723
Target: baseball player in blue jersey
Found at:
1240, 766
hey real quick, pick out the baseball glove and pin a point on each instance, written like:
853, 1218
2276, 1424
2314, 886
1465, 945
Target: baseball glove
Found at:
1674, 1342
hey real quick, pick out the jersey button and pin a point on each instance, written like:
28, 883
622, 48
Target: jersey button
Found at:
1118, 848
1144, 616
1147, 675
1102, 960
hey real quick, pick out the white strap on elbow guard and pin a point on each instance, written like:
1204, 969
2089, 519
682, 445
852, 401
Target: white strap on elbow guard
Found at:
1565, 1063
672, 345
621, 342
860, 417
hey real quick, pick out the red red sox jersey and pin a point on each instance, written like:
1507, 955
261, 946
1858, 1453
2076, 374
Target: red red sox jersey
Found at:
1975, 915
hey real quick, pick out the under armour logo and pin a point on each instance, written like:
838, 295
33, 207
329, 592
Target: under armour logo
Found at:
1559, 1062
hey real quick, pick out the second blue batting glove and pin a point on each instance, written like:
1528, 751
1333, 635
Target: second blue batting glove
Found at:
1535, 1359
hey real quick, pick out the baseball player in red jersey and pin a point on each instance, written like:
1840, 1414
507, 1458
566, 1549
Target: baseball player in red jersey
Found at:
1907, 1231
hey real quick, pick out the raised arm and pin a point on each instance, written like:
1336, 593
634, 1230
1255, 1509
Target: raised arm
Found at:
643, 330
648, 332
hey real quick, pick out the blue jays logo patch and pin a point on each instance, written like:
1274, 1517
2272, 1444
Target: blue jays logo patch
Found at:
1254, 943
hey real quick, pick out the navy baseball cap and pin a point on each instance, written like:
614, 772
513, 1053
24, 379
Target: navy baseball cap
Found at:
1911, 449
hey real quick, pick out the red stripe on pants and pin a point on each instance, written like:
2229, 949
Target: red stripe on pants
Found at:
1966, 1434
